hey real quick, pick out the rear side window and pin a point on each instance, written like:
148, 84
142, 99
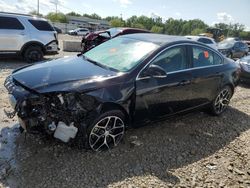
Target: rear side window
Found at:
10, 23
217, 59
41, 25
203, 57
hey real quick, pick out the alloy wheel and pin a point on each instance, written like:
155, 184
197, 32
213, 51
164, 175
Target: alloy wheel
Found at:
222, 101
107, 133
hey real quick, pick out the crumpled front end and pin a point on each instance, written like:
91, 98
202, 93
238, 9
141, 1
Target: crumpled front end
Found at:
61, 115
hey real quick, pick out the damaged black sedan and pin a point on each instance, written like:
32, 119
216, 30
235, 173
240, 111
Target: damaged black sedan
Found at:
124, 82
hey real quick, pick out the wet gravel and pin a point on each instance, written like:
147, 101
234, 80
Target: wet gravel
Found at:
194, 150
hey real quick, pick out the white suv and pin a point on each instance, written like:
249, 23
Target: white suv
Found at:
28, 36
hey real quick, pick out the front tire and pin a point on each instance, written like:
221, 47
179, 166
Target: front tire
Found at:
221, 102
106, 131
33, 54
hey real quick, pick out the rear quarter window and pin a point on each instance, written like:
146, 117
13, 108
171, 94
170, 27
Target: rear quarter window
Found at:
41, 25
10, 23
203, 57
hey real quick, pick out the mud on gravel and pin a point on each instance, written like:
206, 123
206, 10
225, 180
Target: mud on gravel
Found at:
194, 150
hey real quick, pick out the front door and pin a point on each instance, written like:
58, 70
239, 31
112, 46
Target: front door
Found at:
157, 97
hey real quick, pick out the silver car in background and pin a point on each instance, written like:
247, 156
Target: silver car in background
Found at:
206, 40
28, 36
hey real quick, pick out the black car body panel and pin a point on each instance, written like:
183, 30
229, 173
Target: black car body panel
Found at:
77, 90
66, 74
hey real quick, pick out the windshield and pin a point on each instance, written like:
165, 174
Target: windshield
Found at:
121, 53
113, 32
226, 44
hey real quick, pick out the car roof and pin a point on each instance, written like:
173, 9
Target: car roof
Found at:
26, 16
158, 39
198, 37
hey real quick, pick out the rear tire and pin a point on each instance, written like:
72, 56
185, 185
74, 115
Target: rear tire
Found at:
33, 54
220, 103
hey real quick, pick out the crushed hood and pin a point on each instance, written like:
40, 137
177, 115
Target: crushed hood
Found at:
70, 73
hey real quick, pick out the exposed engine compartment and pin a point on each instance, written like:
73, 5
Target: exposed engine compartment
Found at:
59, 115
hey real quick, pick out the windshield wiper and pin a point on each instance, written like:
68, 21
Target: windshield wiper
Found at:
92, 61
98, 64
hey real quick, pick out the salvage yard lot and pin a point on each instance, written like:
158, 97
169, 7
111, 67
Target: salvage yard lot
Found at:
195, 150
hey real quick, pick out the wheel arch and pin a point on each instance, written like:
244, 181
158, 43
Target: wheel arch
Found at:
32, 43
229, 85
108, 106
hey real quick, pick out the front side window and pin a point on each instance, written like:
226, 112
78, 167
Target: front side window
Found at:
10, 23
203, 57
41, 25
121, 53
174, 59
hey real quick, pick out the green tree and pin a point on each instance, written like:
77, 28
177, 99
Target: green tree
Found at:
245, 35
157, 29
138, 25
35, 13
109, 18
59, 17
197, 31
73, 14
117, 23
93, 16
231, 30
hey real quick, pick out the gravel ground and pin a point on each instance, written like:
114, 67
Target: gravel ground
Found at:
195, 150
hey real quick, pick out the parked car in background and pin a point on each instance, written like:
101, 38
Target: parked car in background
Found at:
27, 36
248, 44
124, 82
206, 40
79, 32
233, 49
93, 39
245, 68
58, 30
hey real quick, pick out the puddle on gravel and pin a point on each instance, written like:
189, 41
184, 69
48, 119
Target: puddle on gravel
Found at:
8, 136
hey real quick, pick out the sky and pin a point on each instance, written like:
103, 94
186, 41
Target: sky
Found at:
210, 11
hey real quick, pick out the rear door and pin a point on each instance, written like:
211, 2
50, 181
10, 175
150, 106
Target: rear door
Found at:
12, 34
207, 74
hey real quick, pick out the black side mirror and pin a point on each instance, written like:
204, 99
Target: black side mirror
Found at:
154, 71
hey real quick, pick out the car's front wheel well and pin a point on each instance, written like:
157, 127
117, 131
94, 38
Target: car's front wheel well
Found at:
32, 44
108, 106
